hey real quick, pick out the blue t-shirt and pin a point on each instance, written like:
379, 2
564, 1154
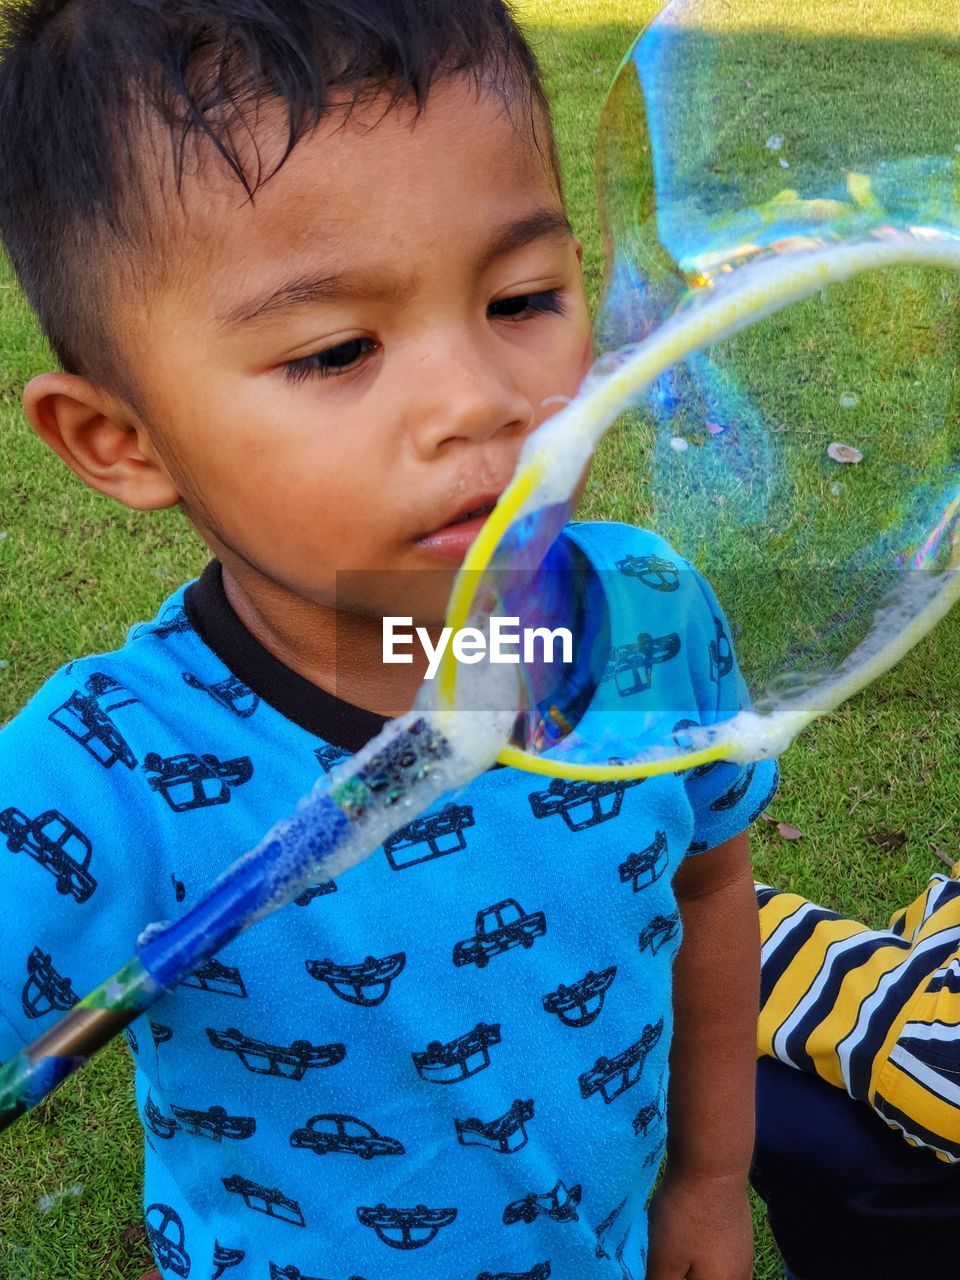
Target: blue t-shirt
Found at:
449, 1064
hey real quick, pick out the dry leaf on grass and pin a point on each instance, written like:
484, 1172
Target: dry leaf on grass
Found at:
843, 452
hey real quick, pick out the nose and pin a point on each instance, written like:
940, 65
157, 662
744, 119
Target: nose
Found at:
464, 391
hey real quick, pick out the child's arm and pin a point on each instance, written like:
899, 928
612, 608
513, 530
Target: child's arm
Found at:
700, 1218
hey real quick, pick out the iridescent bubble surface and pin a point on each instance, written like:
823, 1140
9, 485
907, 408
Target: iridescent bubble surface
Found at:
805, 458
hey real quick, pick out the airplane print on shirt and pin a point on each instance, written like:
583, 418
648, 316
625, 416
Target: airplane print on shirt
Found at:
405, 1228
367, 983
189, 781
610, 1077
506, 1134
86, 717
458, 1059
645, 867
285, 1062
580, 1004
231, 693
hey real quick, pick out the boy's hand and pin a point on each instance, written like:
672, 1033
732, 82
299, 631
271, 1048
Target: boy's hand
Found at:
701, 1228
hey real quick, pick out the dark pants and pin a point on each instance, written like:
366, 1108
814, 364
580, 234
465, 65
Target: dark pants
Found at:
847, 1198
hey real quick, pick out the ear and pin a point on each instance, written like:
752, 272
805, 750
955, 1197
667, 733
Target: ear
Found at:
578, 249
100, 438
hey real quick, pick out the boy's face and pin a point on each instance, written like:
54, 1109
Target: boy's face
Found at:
340, 370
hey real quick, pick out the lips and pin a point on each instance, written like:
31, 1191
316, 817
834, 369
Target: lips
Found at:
453, 538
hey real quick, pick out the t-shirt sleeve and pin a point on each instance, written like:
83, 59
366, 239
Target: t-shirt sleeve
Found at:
73, 901
726, 798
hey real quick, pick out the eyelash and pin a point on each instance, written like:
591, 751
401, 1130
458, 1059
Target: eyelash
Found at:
547, 302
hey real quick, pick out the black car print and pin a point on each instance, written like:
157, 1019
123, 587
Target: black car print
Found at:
45, 990
579, 1004
505, 1134
159, 1124
631, 665
289, 1062
721, 653
166, 1237
406, 1228
580, 804
57, 845
213, 975
188, 781
653, 571
328, 1133
214, 1123
86, 718
560, 1205
499, 928
458, 1059
431, 836
660, 930
266, 1200
294, 1273
539, 1272
231, 693
225, 1258
612, 1076
367, 983
645, 867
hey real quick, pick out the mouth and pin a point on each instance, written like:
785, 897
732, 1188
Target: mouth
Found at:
453, 538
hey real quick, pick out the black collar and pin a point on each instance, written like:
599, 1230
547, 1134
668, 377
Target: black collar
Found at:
312, 708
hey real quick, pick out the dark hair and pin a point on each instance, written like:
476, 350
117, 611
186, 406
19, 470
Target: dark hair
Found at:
84, 83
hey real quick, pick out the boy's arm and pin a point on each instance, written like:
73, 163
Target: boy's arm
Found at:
700, 1218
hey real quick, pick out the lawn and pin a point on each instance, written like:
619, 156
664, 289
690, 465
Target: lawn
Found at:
872, 788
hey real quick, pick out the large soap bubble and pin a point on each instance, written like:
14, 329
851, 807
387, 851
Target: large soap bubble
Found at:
781, 323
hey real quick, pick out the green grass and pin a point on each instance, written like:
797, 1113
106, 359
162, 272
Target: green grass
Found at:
76, 571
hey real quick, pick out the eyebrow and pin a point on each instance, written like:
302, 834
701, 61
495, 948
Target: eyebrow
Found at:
308, 290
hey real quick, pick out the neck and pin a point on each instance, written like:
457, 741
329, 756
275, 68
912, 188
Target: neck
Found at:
338, 651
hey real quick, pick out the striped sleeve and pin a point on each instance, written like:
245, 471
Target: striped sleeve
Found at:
874, 1012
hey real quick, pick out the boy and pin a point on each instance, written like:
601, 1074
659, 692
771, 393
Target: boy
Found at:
308, 271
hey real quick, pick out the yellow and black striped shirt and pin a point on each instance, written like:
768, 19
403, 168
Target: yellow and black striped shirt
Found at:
875, 1012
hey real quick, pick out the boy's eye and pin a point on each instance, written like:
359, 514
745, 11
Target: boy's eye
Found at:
331, 362
547, 302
